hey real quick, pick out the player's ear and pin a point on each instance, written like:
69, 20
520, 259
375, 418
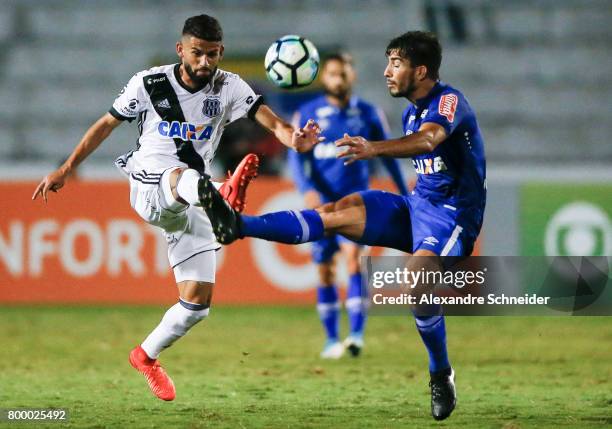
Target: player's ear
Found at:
421, 72
179, 49
221, 52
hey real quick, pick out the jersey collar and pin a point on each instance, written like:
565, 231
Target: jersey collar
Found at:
423, 102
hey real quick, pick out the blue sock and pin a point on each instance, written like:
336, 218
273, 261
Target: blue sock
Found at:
355, 304
290, 227
329, 310
433, 333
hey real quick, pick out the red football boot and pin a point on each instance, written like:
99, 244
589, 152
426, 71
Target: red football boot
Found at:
160, 384
234, 188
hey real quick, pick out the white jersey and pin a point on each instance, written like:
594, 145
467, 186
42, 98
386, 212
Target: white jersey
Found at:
179, 127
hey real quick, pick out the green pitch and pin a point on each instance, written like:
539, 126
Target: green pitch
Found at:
258, 367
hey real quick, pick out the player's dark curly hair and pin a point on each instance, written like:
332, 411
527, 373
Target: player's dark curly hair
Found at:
422, 48
203, 27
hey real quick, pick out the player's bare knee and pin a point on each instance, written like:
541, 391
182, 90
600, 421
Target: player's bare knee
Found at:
327, 273
352, 264
326, 208
173, 178
174, 175
196, 292
352, 254
352, 200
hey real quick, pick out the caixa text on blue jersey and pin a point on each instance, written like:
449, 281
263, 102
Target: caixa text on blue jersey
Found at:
429, 165
184, 130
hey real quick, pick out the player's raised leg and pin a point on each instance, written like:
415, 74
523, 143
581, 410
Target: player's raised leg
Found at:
346, 217
374, 218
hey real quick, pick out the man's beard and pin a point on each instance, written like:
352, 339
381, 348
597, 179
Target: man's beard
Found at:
198, 80
339, 94
409, 91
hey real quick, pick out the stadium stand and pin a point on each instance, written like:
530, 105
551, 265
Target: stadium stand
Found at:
538, 75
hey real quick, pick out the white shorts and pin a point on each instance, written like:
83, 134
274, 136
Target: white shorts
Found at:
187, 229
200, 267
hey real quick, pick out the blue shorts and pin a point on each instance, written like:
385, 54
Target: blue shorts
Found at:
412, 223
324, 250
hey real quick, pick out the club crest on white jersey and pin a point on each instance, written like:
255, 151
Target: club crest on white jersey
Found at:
211, 107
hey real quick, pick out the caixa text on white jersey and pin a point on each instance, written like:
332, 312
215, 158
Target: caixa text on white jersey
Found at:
185, 130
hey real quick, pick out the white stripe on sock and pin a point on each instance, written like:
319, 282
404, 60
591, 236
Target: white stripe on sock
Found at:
354, 304
328, 306
305, 229
426, 323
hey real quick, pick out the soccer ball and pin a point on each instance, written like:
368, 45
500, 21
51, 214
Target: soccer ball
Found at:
292, 62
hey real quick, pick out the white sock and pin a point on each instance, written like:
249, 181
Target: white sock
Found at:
187, 187
175, 323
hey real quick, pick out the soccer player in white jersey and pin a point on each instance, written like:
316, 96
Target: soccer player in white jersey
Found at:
181, 110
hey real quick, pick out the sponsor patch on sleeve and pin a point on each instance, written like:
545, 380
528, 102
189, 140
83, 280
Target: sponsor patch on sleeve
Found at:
448, 106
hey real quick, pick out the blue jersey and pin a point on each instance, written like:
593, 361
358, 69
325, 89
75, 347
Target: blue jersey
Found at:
319, 169
453, 175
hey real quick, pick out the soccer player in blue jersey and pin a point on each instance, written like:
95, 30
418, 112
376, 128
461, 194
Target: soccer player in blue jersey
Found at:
323, 178
441, 218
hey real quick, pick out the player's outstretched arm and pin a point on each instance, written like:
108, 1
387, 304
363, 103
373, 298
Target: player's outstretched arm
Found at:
94, 136
300, 139
423, 141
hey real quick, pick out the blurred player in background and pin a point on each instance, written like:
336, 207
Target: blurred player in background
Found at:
323, 178
442, 216
181, 111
